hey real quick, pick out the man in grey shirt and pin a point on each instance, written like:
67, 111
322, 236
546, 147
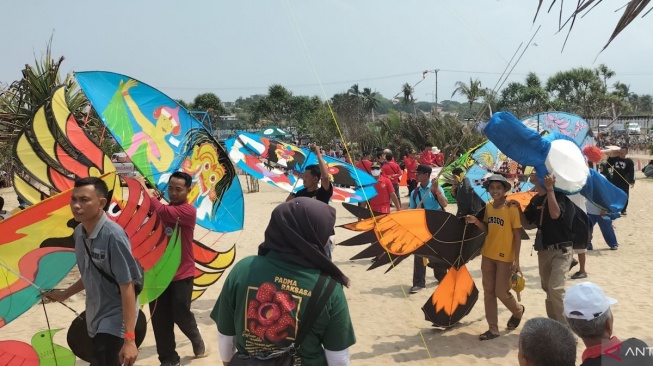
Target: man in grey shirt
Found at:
102, 245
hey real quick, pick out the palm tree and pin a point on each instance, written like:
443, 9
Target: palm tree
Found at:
370, 101
472, 92
407, 90
604, 72
490, 99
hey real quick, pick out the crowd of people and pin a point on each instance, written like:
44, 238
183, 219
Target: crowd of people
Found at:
293, 307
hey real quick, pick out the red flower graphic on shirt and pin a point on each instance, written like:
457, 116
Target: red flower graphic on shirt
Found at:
269, 315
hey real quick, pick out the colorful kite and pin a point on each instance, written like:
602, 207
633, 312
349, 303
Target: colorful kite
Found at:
437, 235
72, 150
161, 137
57, 152
555, 153
36, 252
486, 159
282, 164
42, 351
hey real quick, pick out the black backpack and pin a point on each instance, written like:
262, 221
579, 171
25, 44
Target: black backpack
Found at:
580, 226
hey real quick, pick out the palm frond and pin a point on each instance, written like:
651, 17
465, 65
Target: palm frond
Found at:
630, 13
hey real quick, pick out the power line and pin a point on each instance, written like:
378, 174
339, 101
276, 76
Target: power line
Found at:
382, 77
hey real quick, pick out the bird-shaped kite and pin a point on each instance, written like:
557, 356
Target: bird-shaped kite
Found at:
437, 235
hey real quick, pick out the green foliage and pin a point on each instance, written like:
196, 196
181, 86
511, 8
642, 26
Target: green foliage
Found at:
211, 104
472, 91
283, 109
21, 99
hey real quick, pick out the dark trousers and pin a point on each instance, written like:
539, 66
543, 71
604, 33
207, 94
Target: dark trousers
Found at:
412, 184
626, 188
419, 271
396, 187
173, 307
106, 348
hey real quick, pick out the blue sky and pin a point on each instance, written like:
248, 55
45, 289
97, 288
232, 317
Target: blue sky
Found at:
239, 48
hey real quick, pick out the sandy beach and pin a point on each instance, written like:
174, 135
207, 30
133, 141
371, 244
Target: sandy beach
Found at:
390, 327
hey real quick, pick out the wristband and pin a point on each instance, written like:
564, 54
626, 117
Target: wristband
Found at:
131, 335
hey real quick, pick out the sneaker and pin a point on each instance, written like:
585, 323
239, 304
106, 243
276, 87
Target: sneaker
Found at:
200, 351
623, 213
573, 264
579, 275
614, 248
416, 289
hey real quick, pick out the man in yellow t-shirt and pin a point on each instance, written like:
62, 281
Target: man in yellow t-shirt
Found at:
500, 254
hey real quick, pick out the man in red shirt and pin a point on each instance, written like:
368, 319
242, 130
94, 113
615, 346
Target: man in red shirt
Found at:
365, 164
411, 163
173, 306
392, 171
426, 157
384, 192
438, 156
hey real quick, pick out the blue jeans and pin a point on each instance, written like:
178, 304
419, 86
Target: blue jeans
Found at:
605, 224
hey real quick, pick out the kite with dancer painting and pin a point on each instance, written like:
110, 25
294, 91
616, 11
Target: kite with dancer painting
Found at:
161, 137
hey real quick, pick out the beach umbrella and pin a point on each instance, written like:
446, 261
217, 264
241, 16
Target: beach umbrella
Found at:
282, 165
437, 235
273, 132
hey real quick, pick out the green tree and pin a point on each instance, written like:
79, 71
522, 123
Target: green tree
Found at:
370, 101
511, 99
534, 97
645, 103
578, 91
605, 73
281, 108
472, 92
407, 91
211, 104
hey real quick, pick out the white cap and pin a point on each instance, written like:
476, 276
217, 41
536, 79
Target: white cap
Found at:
435, 150
586, 301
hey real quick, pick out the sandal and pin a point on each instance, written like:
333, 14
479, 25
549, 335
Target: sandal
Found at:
487, 336
579, 275
513, 322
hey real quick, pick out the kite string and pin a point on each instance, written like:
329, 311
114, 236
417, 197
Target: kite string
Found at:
47, 321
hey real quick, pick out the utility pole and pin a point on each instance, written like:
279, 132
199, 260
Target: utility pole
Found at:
436, 92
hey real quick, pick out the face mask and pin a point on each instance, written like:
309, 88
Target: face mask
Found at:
376, 172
